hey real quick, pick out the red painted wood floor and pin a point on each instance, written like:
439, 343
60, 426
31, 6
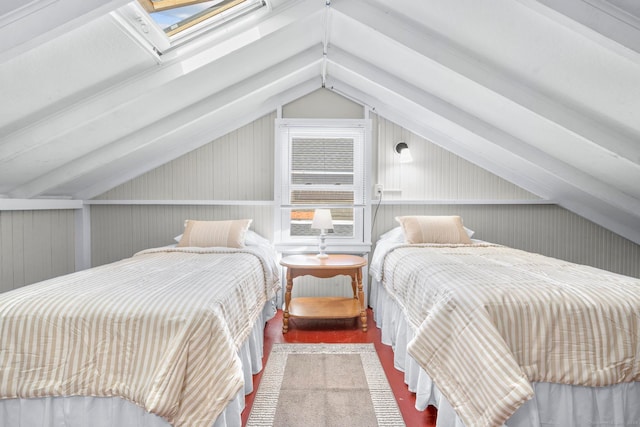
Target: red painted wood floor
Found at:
344, 331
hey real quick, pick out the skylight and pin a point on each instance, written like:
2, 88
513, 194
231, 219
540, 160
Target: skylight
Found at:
175, 16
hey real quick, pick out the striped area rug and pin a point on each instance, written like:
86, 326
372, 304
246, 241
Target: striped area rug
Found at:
324, 385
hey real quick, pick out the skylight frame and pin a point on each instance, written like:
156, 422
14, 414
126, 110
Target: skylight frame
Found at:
202, 21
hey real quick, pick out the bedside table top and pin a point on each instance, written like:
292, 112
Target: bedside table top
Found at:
333, 261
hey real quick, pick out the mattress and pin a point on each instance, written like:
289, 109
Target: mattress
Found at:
486, 322
163, 330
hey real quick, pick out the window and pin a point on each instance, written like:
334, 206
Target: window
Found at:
321, 165
175, 16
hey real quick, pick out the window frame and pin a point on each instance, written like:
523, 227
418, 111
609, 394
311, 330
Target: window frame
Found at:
186, 23
288, 129
136, 17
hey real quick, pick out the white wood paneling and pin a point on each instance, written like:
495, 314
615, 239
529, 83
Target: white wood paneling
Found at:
435, 173
483, 200
237, 166
546, 229
240, 167
119, 231
35, 245
323, 104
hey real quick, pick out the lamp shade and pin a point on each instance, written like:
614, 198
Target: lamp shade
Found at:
322, 219
403, 149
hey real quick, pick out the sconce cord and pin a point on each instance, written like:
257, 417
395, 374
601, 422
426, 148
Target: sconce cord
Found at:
375, 214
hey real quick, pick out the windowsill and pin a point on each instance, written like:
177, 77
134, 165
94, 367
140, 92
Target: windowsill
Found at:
332, 247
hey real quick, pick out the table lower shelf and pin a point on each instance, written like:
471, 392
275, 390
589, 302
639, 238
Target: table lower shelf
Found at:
325, 307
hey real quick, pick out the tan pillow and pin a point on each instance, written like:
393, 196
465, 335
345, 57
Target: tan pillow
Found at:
228, 234
433, 229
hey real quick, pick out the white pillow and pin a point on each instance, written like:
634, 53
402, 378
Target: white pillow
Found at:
254, 239
393, 235
469, 232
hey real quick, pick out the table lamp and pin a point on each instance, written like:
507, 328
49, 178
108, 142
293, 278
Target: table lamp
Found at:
322, 220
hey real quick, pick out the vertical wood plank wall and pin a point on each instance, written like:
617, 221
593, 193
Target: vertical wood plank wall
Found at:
434, 173
237, 166
546, 229
436, 176
35, 245
119, 231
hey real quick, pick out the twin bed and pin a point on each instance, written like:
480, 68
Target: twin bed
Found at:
170, 336
492, 335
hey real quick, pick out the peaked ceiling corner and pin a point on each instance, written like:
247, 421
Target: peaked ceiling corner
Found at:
545, 94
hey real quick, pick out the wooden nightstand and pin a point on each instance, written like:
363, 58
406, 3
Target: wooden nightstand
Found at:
324, 307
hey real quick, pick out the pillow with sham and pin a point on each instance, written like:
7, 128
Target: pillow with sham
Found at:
251, 239
397, 235
433, 229
230, 234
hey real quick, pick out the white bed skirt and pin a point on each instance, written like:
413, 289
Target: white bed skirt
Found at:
83, 411
554, 405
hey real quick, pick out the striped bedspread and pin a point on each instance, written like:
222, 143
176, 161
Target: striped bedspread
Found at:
489, 320
160, 329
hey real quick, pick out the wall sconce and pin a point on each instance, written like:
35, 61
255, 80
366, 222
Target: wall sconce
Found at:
403, 150
322, 220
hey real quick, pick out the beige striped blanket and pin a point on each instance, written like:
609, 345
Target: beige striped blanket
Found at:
160, 329
489, 320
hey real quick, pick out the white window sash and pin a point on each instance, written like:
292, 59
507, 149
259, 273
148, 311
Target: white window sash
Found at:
286, 131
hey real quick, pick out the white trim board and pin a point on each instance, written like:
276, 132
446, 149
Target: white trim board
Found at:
465, 202
183, 202
38, 204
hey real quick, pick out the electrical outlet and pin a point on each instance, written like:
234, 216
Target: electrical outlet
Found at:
379, 189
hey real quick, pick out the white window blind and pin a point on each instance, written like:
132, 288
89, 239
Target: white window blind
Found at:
323, 168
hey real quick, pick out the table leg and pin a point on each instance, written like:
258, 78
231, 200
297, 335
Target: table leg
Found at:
287, 301
363, 311
354, 283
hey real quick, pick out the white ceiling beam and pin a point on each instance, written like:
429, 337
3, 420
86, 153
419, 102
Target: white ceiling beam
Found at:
613, 137
364, 70
454, 138
198, 112
449, 127
522, 172
597, 20
132, 166
106, 102
32, 23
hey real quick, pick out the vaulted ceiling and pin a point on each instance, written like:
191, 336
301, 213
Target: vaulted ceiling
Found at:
543, 93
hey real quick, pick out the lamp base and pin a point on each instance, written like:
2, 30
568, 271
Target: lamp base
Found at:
322, 246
